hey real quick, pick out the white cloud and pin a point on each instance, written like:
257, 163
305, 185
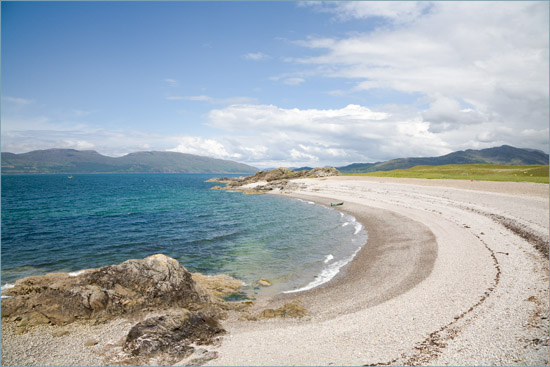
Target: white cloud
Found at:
212, 100
333, 136
256, 56
201, 146
395, 11
478, 63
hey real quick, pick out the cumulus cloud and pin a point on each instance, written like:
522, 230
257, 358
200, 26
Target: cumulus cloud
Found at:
396, 11
200, 146
353, 133
483, 63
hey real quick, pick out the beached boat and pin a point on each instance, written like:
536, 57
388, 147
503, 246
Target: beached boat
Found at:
336, 204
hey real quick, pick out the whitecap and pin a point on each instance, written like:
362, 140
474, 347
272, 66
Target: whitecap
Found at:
328, 258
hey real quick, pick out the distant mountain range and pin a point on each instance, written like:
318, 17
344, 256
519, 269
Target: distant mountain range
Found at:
499, 155
88, 161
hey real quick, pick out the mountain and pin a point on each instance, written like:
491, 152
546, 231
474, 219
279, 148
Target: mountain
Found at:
89, 161
499, 155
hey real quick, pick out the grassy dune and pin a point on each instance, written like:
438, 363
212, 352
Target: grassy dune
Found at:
480, 172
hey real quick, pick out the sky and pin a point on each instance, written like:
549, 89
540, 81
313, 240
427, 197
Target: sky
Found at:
276, 83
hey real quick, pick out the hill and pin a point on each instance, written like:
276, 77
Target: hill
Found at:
89, 161
504, 155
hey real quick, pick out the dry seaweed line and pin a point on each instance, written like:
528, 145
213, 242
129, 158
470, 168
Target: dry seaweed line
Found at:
432, 346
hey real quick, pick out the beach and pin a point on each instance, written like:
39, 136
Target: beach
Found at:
453, 273
440, 281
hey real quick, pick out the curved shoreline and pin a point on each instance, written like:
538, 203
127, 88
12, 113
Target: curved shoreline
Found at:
471, 291
385, 267
442, 280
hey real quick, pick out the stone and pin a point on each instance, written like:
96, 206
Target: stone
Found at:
292, 309
169, 338
156, 282
90, 342
200, 357
59, 333
263, 283
219, 286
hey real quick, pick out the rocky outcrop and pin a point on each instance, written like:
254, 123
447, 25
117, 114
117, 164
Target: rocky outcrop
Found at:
168, 338
177, 312
276, 179
156, 282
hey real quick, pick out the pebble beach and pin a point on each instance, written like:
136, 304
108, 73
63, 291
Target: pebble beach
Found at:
441, 281
453, 273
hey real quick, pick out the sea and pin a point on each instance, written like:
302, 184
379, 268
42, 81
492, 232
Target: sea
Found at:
61, 223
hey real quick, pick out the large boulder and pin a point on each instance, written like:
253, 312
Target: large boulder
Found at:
156, 282
169, 338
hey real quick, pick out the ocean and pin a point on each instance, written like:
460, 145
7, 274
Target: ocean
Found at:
60, 223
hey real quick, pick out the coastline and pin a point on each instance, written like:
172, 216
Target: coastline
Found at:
384, 267
471, 292
441, 281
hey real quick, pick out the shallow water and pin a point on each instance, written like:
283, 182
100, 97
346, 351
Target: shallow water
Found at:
56, 223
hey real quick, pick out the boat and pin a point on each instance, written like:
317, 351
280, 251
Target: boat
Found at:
336, 204
69, 176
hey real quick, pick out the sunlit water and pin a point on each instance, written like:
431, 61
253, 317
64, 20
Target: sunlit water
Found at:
56, 223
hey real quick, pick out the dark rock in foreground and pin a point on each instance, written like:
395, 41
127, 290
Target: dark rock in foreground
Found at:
168, 337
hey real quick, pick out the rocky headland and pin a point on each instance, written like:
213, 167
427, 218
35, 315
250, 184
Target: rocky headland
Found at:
276, 179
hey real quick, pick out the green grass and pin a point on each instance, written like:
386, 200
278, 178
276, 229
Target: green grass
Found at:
478, 172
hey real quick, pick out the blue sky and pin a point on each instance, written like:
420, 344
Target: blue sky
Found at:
275, 83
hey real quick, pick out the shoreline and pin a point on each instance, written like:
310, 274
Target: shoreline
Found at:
383, 267
468, 289
440, 281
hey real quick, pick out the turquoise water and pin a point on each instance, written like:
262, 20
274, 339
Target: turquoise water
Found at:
56, 223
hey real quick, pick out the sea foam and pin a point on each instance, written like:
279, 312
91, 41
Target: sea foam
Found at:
326, 274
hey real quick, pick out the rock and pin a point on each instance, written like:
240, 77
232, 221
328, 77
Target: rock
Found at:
90, 342
216, 188
59, 333
219, 286
169, 338
263, 283
276, 179
200, 357
156, 282
292, 309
